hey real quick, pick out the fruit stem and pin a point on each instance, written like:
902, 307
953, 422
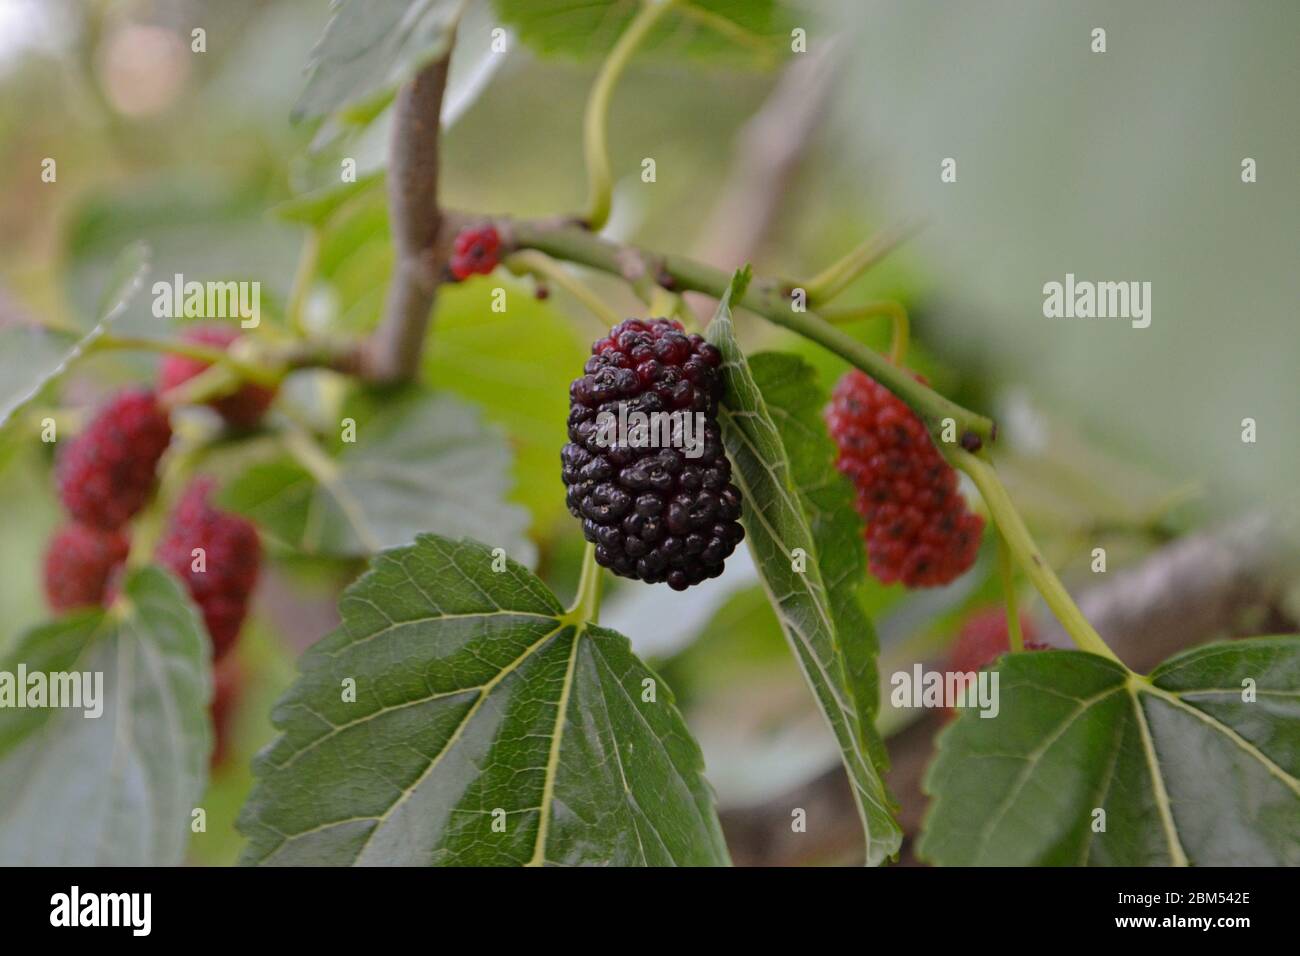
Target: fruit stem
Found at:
838, 276
215, 381
900, 335
177, 467
767, 298
932, 408
1016, 640
200, 353
586, 603
1022, 547
600, 180
302, 280
530, 261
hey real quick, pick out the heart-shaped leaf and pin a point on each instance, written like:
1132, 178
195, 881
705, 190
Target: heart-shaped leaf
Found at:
115, 789
419, 462
1087, 763
788, 559
460, 716
749, 32
31, 356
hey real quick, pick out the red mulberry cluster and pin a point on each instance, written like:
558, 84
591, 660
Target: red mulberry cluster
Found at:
244, 408
222, 577
104, 478
653, 513
108, 472
918, 528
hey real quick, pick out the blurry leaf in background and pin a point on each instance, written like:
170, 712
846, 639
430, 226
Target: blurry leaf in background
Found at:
749, 32
516, 366
1189, 768
200, 228
1117, 166
118, 789
476, 693
32, 356
319, 207
779, 533
420, 461
369, 48
32, 511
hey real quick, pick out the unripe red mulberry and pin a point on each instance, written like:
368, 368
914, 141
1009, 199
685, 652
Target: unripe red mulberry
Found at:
918, 528
653, 513
243, 408
107, 473
78, 564
475, 252
222, 577
983, 637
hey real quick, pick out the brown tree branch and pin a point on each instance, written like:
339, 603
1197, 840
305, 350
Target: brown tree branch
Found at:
392, 353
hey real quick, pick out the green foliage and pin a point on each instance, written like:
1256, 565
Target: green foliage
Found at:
1187, 768
478, 699
779, 530
795, 400
319, 207
516, 366
750, 32
420, 461
116, 789
198, 226
369, 48
31, 357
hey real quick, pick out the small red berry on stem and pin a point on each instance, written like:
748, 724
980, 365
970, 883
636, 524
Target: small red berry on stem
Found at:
108, 472
231, 555
475, 252
918, 528
244, 408
79, 563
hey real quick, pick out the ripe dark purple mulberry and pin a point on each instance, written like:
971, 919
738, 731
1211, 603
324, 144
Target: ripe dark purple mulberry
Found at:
108, 471
654, 512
